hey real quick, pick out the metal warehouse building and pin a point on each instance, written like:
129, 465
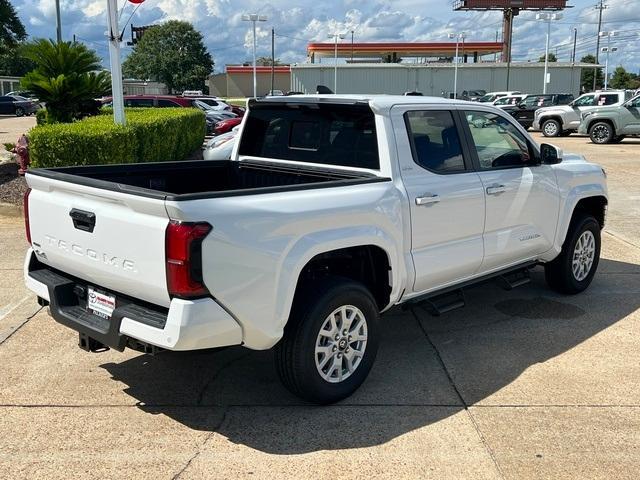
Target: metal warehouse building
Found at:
436, 79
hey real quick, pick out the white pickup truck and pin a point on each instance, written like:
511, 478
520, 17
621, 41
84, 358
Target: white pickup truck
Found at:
332, 210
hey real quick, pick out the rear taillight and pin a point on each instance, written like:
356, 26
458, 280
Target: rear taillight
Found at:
27, 228
183, 251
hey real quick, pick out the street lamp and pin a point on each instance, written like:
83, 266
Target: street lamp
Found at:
547, 17
458, 37
608, 49
253, 18
335, 37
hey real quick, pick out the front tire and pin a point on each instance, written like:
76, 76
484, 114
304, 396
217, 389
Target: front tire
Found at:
330, 342
601, 133
551, 128
19, 111
573, 270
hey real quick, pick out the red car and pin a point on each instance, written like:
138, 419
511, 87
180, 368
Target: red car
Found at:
225, 126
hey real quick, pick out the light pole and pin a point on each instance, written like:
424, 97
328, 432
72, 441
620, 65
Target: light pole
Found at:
253, 18
547, 17
608, 49
114, 60
458, 37
335, 37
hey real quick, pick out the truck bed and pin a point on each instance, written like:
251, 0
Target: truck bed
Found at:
204, 179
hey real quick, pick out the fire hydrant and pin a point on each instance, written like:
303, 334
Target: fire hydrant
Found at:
22, 152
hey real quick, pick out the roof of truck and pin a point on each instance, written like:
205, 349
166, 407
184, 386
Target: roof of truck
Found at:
377, 102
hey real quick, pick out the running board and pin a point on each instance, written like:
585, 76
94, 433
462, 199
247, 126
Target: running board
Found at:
451, 298
515, 279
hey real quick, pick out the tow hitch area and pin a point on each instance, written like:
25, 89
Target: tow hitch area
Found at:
89, 344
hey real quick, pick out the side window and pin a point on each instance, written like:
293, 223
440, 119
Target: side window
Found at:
498, 142
586, 101
435, 141
138, 102
167, 103
607, 99
635, 102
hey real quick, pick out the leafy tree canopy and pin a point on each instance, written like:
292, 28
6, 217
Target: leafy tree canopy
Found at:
586, 81
624, 80
552, 57
11, 28
172, 53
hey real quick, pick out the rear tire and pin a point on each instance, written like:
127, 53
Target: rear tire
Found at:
330, 342
19, 111
601, 133
551, 128
573, 270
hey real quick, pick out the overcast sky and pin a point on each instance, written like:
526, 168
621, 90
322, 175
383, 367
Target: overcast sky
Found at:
298, 22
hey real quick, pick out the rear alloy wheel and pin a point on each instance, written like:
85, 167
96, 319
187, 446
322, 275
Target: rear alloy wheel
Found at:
19, 111
551, 128
601, 133
330, 341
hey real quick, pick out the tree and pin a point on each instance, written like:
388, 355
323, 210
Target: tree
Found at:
624, 80
552, 57
12, 63
586, 81
11, 28
66, 78
172, 53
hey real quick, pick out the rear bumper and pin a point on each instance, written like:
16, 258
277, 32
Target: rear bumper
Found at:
185, 325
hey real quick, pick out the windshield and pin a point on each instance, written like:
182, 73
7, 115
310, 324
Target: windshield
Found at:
584, 101
201, 105
507, 101
487, 98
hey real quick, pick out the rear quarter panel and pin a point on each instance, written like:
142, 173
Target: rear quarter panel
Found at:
260, 243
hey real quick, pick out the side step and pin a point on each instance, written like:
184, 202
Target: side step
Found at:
511, 280
443, 303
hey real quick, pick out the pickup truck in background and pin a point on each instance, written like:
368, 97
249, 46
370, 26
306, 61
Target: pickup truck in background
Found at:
612, 124
332, 210
524, 111
564, 120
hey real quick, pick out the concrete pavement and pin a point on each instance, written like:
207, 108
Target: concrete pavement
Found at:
520, 384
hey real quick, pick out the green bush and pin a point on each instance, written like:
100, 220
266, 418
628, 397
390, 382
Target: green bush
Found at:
41, 116
150, 135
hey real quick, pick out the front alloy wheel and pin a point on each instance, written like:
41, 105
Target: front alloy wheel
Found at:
551, 128
601, 133
583, 255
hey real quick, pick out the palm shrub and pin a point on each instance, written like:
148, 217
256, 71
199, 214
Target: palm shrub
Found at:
67, 78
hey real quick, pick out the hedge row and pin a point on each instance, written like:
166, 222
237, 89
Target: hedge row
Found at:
150, 135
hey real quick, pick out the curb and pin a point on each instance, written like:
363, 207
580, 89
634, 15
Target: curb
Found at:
10, 210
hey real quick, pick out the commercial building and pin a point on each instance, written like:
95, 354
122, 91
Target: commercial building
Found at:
437, 79
237, 81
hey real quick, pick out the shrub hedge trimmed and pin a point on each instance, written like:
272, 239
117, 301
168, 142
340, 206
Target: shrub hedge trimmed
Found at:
150, 135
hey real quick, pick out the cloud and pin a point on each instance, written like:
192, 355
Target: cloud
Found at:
229, 39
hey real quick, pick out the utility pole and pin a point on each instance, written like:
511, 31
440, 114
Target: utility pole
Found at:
273, 57
351, 46
58, 22
601, 6
575, 40
495, 55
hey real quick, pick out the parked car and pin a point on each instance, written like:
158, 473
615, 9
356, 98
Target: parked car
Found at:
612, 124
473, 95
493, 96
524, 111
26, 94
16, 105
213, 103
511, 100
328, 214
223, 126
212, 115
565, 119
220, 147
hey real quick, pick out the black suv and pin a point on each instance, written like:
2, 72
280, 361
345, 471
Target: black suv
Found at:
524, 111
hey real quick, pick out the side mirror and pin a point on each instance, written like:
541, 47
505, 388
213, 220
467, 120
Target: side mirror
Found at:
550, 154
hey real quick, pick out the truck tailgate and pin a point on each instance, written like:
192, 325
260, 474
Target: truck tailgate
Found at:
112, 240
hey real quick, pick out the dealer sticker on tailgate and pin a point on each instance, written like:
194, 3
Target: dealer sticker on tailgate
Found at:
100, 303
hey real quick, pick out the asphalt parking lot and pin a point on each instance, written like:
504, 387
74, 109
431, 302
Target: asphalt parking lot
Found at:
520, 384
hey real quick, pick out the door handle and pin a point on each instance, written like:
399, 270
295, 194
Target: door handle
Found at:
496, 189
427, 199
